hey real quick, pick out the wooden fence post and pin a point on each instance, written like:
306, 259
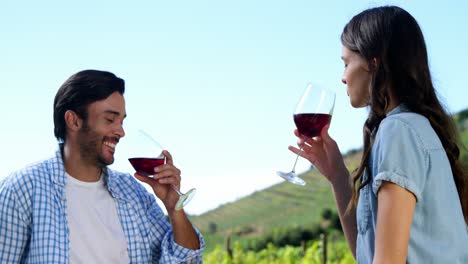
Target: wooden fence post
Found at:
323, 237
228, 246
303, 247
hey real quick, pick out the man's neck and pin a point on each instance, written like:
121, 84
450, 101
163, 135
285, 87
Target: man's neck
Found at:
77, 167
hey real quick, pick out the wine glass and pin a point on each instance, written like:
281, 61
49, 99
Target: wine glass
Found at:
313, 112
145, 154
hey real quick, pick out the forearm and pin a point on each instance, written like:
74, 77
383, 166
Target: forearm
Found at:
184, 234
342, 191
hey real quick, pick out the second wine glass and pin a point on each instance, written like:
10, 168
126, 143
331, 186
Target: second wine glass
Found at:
147, 155
313, 112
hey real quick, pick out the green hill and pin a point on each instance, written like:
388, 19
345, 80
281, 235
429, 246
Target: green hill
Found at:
281, 205
284, 204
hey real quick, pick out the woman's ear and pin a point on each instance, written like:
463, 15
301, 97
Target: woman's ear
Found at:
374, 64
72, 120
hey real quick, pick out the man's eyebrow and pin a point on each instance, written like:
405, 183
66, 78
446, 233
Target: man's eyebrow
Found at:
112, 112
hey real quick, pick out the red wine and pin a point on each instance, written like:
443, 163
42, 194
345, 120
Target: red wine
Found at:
145, 166
310, 125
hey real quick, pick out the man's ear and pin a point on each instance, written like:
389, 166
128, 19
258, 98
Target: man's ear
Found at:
72, 120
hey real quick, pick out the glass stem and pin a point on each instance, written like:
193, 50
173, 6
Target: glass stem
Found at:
175, 189
297, 157
295, 162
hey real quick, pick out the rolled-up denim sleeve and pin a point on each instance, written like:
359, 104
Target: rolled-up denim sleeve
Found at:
400, 157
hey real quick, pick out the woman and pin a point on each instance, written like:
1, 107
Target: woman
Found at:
409, 199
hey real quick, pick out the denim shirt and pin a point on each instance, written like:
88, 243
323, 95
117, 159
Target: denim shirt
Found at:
34, 227
408, 152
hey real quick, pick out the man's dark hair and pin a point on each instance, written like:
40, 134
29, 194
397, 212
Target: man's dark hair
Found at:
80, 90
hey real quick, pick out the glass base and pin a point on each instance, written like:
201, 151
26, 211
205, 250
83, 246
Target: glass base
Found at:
185, 199
291, 177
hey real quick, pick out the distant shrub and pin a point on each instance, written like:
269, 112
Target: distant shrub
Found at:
244, 230
212, 227
463, 114
327, 214
294, 235
352, 152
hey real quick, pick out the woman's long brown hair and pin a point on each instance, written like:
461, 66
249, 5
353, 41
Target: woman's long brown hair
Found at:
393, 38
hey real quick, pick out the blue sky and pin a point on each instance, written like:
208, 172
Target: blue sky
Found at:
215, 82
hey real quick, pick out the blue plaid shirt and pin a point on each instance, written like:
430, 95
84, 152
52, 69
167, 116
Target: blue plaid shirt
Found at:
33, 218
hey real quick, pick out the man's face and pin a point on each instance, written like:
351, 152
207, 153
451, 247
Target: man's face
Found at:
102, 130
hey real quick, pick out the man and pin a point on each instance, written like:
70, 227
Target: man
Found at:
73, 209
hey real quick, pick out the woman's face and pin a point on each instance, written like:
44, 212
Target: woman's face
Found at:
357, 77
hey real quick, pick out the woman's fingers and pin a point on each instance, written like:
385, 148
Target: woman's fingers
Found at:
306, 153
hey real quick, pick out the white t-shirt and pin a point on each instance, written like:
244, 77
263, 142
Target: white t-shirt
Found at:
96, 235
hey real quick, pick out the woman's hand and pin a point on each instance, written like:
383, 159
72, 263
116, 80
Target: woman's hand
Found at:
322, 152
